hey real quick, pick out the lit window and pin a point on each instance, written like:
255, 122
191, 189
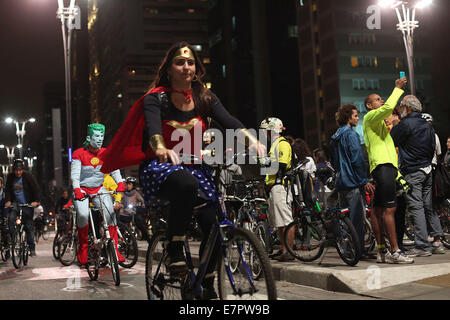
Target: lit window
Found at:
224, 71
119, 96
233, 23
197, 47
190, 10
206, 60
354, 62
293, 31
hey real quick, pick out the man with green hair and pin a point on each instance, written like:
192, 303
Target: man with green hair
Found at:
87, 179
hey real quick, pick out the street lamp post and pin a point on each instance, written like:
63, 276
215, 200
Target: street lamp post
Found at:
20, 131
67, 16
406, 24
10, 151
30, 162
5, 169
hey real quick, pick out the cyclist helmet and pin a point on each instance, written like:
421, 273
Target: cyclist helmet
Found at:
18, 164
273, 124
427, 117
130, 180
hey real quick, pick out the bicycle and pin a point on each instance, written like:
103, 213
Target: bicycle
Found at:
68, 244
443, 209
101, 251
161, 285
41, 228
19, 246
315, 229
63, 230
127, 246
5, 239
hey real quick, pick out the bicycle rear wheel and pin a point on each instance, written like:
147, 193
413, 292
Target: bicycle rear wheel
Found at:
263, 234
241, 285
309, 240
369, 237
158, 282
17, 253
67, 250
347, 243
113, 263
128, 247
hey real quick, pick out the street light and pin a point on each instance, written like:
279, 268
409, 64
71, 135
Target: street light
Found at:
10, 151
20, 130
67, 15
407, 24
30, 162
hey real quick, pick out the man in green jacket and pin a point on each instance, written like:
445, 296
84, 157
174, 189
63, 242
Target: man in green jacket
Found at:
383, 161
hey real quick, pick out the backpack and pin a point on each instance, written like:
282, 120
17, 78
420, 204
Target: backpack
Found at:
441, 184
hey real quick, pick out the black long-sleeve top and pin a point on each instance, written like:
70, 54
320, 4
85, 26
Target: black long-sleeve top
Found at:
154, 117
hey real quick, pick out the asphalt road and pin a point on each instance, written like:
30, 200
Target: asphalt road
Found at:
45, 278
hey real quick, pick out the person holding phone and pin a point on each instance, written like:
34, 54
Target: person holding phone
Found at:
383, 162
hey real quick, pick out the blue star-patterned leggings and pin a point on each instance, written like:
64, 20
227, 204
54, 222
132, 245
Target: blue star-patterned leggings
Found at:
179, 184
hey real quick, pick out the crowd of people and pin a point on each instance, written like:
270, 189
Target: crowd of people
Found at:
401, 149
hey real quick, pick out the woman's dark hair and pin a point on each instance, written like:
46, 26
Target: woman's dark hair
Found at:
344, 114
320, 156
301, 149
200, 94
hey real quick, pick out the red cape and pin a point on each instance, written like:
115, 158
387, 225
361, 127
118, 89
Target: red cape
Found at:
125, 149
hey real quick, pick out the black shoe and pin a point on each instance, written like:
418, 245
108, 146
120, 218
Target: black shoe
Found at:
176, 262
7, 255
33, 253
276, 254
209, 294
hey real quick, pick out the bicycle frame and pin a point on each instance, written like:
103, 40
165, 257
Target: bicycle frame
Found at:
105, 224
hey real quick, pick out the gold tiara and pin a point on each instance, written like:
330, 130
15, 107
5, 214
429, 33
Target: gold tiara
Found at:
184, 52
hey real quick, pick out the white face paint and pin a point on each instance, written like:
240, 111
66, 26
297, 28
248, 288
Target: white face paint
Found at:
96, 140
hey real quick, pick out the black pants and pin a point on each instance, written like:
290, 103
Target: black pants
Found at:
139, 219
181, 189
400, 220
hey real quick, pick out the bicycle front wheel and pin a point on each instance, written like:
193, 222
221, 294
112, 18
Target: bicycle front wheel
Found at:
128, 247
56, 243
112, 259
67, 250
308, 240
45, 233
347, 242
158, 282
241, 285
17, 253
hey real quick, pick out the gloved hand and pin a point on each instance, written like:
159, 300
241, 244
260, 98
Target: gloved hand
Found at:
79, 195
121, 187
66, 206
403, 186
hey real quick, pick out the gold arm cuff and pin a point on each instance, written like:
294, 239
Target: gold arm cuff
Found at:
252, 139
157, 142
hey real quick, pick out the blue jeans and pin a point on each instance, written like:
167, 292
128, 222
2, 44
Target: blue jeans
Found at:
353, 200
419, 206
27, 220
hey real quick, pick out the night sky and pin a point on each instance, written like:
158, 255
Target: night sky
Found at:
31, 54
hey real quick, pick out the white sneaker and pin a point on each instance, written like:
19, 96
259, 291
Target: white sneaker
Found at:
381, 257
398, 257
438, 248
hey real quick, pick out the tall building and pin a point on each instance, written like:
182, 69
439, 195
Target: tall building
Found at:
342, 61
254, 60
127, 42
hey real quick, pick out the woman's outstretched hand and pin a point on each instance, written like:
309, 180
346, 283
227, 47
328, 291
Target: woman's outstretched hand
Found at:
164, 155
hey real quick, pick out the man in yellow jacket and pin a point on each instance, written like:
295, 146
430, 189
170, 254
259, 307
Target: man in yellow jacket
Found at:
383, 162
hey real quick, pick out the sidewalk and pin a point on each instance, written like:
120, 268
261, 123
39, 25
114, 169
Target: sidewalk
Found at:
426, 278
